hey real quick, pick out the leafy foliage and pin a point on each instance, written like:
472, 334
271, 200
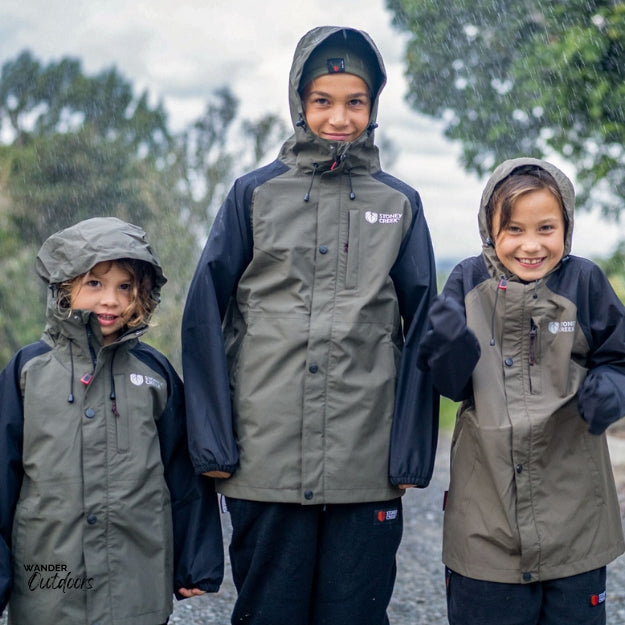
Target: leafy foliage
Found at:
514, 77
83, 146
614, 268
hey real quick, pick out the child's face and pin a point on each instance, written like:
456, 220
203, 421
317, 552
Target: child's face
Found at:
337, 106
532, 244
107, 290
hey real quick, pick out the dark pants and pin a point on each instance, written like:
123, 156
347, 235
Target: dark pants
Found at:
313, 565
575, 600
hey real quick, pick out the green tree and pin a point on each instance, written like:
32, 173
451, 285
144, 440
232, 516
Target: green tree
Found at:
513, 77
214, 149
614, 267
82, 146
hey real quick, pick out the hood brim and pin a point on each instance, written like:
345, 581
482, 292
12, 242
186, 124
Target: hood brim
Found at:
73, 251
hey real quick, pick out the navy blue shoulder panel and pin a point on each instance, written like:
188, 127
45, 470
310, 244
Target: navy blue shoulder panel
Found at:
151, 357
397, 184
572, 277
418, 217
28, 353
467, 275
245, 186
583, 283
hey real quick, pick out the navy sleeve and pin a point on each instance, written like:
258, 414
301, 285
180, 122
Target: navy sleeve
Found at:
414, 432
198, 546
11, 468
450, 350
226, 254
601, 398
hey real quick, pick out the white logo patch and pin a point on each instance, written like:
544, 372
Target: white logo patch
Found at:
383, 218
561, 326
138, 380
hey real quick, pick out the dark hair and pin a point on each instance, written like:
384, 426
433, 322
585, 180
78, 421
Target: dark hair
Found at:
143, 278
522, 180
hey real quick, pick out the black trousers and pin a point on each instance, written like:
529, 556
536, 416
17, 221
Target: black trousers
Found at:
575, 600
313, 565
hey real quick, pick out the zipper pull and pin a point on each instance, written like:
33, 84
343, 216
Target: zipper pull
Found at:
86, 379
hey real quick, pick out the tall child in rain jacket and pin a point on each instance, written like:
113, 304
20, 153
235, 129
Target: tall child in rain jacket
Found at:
102, 517
314, 413
531, 340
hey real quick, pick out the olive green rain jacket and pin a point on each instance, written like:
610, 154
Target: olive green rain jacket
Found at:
101, 514
321, 268
532, 495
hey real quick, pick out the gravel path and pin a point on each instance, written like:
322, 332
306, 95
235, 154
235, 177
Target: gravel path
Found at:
419, 597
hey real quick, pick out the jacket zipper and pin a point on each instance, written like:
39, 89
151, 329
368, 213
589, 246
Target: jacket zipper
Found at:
532, 350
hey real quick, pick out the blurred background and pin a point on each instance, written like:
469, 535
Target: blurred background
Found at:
150, 110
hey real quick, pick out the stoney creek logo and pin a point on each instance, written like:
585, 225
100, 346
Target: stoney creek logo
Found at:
138, 380
561, 326
382, 218
55, 577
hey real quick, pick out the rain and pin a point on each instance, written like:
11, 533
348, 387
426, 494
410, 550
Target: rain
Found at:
470, 85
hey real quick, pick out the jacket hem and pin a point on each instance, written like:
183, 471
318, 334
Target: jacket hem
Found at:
545, 573
272, 495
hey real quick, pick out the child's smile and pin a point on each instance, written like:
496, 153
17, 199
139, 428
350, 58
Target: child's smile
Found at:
532, 244
337, 106
107, 291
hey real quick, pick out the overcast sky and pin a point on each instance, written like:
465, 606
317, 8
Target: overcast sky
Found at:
182, 50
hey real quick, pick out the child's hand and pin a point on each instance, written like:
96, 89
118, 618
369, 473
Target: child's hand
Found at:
220, 474
190, 592
598, 402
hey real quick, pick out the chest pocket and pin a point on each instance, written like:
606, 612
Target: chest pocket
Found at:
121, 414
534, 360
352, 247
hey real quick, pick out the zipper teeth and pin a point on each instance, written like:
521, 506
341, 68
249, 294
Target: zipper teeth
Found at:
532, 349
91, 350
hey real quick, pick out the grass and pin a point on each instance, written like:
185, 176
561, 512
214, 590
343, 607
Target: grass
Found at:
448, 414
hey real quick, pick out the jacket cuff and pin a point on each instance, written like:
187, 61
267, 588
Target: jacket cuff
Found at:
416, 480
206, 585
213, 466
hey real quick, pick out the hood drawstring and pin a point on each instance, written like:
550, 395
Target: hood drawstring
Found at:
312, 179
535, 294
371, 127
502, 286
86, 379
352, 195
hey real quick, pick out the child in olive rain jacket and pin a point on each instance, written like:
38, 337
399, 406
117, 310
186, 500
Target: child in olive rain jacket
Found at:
313, 411
102, 517
531, 340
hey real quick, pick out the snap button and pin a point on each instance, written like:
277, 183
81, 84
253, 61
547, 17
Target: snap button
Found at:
509, 362
92, 519
89, 413
308, 495
313, 368
519, 468
323, 249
